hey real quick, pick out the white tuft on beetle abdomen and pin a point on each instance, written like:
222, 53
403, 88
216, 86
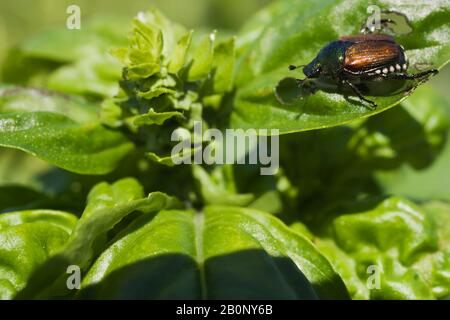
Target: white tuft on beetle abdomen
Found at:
392, 69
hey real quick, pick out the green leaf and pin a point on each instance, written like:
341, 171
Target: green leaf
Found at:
288, 91
422, 146
171, 32
222, 253
178, 60
224, 60
65, 221
147, 39
158, 118
164, 160
214, 189
184, 155
152, 42
70, 61
30, 169
158, 87
280, 36
14, 197
413, 134
143, 70
97, 76
65, 45
156, 92
27, 100
107, 206
59, 129
27, 239
407, 243
203, 57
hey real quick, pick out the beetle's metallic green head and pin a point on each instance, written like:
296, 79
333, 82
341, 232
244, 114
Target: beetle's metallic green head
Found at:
313, 69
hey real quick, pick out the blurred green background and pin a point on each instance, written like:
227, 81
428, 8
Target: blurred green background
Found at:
22, 18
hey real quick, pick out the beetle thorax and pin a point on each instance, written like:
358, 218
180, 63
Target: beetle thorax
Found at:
329, 60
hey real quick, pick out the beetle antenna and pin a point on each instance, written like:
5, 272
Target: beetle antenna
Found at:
292, 67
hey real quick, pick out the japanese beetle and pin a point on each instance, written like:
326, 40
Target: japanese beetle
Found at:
353, 61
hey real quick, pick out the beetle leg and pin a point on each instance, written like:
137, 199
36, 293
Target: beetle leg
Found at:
310, 87
406, 76
300, 83
373, 105
422, 76
384, 25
